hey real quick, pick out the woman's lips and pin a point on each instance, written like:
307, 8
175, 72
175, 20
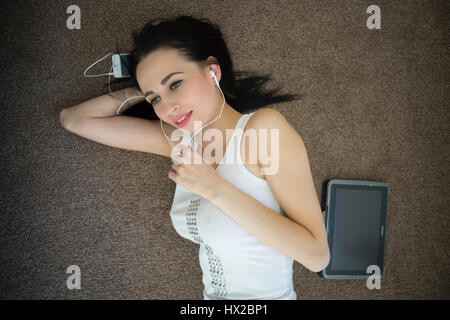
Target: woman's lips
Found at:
185, 121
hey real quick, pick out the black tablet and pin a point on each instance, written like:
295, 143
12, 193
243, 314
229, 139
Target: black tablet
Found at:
355, 218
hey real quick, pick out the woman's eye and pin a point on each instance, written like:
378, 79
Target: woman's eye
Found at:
179, 81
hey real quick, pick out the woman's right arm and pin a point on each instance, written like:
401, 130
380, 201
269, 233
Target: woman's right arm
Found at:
96, 120
103, 106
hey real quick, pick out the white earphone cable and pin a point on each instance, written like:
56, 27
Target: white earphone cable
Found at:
109, 80
192, 137
134, 97
97, 75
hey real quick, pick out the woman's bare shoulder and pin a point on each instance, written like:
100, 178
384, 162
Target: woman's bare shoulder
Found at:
262, 117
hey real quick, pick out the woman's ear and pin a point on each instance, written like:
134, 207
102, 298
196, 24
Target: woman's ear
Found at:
213, 65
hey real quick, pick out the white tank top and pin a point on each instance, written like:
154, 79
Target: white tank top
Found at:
235, 264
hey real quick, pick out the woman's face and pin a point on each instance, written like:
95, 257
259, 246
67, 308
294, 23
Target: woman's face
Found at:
192, 89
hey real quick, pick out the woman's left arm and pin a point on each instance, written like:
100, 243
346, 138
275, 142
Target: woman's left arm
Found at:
277, 231
301, 234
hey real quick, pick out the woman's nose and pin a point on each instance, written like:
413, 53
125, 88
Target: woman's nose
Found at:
173, 110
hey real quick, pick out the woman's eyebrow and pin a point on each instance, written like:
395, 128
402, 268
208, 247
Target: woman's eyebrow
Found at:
163, 82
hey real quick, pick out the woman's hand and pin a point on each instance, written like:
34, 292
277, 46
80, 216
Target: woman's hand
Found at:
192, 172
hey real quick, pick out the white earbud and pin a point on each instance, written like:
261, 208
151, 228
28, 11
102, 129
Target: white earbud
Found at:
214, 76
189, 140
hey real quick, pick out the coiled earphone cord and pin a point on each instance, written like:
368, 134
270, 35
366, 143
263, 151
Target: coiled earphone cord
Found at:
109, 81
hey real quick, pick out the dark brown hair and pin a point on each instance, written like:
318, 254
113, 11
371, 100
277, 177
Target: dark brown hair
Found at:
196, 40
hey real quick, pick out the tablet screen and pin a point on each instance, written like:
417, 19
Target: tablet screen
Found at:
356, 221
